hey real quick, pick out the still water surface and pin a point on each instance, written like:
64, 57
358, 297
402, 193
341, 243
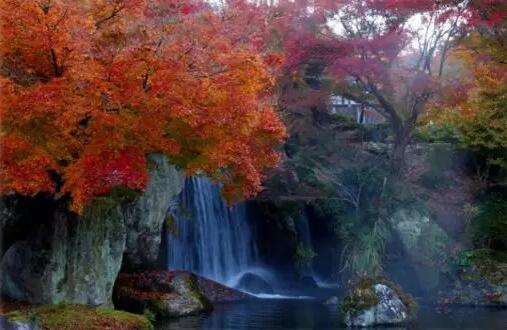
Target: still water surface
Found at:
271, 314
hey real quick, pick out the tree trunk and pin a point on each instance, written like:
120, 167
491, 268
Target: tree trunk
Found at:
401, 140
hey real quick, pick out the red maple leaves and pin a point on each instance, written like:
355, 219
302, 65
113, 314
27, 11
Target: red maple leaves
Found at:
90, 89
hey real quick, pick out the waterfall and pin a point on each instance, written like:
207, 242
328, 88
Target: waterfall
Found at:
206, 236
302, 227
305, 238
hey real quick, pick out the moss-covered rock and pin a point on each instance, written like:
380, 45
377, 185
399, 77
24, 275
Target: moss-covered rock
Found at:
375, 301
165, 294
66, 257
77, 317
425, 243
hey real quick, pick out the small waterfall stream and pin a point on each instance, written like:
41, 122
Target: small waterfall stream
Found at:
303, 231
208, 237
305, 239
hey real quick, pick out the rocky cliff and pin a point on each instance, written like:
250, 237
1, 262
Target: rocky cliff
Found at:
54, 255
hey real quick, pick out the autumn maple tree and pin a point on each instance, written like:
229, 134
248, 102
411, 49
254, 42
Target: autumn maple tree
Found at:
90, 88
385, 54
474, 97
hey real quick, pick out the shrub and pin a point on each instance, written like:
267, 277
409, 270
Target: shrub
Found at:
484, 264
304, 257
440, 160
490, 225
432, 133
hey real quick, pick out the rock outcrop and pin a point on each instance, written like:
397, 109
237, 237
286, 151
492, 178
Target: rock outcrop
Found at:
377, 304
53, 255
166, 294
170, 294
425, 243
253, 283
144, 218
216, 292
67, 257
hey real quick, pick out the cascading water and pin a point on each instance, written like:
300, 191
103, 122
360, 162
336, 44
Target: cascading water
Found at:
209, 238
302, 227
305, 239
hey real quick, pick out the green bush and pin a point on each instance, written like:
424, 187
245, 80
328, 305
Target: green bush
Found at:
490, 225
482, 264
304, 257
433, 133
440, 159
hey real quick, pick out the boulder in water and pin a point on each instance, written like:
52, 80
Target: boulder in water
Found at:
373, 302
166, 294
253, 283
332, 301
216, 292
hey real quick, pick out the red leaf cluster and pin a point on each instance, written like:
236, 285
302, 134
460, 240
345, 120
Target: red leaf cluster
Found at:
90, 88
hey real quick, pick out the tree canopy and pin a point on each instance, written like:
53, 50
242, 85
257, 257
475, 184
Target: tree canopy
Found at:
91, 87
389, 55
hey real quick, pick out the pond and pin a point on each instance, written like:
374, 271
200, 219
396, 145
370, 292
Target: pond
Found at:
311, 314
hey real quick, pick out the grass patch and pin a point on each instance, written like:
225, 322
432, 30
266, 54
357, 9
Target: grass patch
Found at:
80, 317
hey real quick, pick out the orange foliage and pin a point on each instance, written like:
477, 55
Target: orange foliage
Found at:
89, 89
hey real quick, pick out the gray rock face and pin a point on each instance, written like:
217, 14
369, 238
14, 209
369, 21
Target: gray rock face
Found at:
389, 310
425, 243
409, 224
145, 217
73, 259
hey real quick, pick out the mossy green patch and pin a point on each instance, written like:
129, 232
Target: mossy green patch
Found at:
80, 317
484, 264
19, 316
362, 296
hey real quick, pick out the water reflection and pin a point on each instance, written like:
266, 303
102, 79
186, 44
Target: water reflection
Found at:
311, 314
